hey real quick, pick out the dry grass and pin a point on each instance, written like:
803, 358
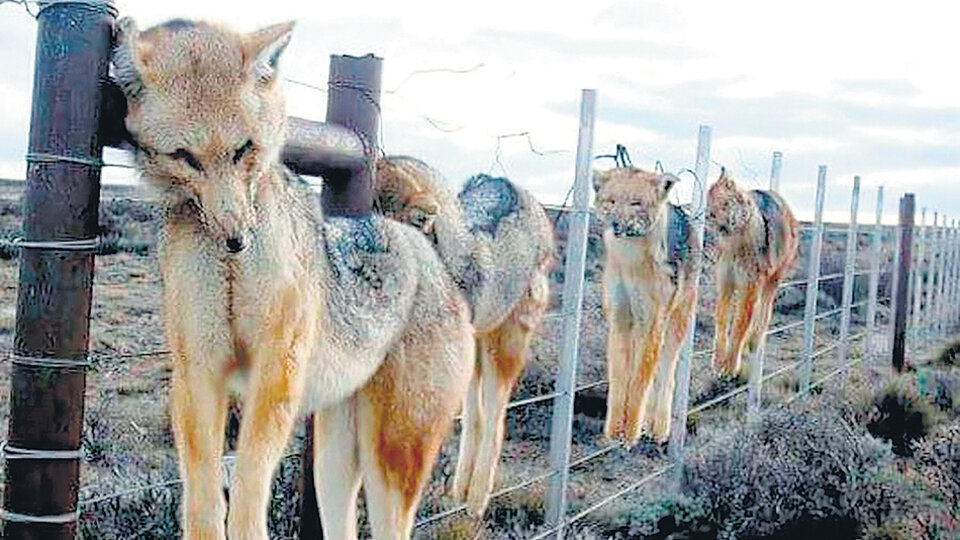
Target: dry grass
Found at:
129, 443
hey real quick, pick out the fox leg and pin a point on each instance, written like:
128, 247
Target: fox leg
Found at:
336, 471
618, 377
721, 320
761, 322
501, 365
743, 316
273, 396
681, 317
199, 412
470, 428
647, 344
404, 413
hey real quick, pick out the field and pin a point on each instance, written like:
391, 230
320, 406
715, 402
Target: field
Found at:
128, 484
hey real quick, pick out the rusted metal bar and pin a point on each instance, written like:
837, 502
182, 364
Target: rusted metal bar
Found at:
353, 101
56, 271
312, 148
907, 210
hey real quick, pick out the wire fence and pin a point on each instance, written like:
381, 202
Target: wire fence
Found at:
849, 283
933, 277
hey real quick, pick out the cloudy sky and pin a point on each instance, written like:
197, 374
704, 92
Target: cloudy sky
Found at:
864, 89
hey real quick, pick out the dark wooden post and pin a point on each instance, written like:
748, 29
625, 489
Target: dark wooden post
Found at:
907, 210
353, 101
56, 271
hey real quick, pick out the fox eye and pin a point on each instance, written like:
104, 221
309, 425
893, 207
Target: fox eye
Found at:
186, 156
242, 151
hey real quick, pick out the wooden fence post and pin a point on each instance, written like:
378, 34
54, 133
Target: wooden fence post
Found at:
907, 209
353, 101
48, 377
813, 285
572, 298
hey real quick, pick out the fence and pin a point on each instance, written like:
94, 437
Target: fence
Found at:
933, 283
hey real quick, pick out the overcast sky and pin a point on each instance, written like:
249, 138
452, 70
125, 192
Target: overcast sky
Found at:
865, 89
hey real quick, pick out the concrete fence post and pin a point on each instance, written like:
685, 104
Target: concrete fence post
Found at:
849, 277
874, 285
813, 285
578, 227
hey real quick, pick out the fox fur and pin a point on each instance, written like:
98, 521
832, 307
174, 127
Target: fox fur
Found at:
355, 319
755, 241
649, 298
497, 244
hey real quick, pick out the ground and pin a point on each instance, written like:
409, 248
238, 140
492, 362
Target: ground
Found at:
128, 484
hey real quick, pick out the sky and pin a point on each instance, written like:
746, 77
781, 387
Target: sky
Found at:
862, 88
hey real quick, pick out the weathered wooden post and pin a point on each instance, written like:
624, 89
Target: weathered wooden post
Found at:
56, 271
578, 227
907, 209
353, 101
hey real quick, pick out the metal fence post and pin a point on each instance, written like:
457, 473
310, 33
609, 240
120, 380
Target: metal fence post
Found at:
813, 285
775, 171
681, 396
572, 305
48, 378
952, 303
929, 313
942, 280
907, 209
916, 278
848, 273
755, 388
874, 285
353, 101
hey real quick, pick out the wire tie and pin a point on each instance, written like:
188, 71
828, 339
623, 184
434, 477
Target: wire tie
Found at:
50, 362
12, 452
34, 157
15, 517
98, 6
84, 244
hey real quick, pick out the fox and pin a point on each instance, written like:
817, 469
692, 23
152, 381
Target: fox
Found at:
756, 239
649, 298
270, 302
497, 245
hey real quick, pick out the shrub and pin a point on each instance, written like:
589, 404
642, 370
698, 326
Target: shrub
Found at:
797, 476
901, 415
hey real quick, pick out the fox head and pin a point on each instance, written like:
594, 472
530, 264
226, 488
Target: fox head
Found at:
630, 200
728, 208
207, 116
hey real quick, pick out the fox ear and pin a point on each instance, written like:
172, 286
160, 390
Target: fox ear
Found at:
667, 181
262, 49
128, 56
600, 178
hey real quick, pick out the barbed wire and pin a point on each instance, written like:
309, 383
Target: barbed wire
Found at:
26, 5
